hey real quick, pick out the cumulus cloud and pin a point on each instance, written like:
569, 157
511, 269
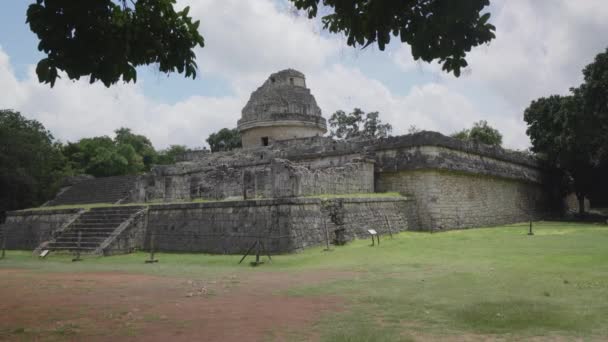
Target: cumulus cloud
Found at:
73, 110
245, 41
429, 106
540, 49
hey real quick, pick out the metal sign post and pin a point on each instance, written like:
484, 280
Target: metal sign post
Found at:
152, 242
3, 245
77, 258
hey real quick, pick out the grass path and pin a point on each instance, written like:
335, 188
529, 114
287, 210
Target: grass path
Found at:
468, 284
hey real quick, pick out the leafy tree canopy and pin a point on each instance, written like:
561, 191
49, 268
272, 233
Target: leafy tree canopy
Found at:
169, 156
106, 40
358, 124
31, 162
224, 140
127, 153
435, 30
571, 130
141, 144
481, 133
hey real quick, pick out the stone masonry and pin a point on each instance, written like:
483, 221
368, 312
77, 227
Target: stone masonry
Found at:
264, 189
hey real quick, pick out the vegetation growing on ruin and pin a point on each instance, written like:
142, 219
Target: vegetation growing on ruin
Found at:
358, 195
496, 283
358, 124
481, 133
224, 140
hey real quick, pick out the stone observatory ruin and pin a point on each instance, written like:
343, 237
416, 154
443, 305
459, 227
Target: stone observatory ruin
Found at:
282, 108
290, 187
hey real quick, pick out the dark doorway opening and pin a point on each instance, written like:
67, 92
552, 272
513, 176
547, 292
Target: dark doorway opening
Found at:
264, 141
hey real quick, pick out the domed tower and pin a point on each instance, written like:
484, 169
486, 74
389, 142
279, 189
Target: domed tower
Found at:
282, 108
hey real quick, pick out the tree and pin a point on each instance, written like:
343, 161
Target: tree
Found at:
224, 140
31, 162
594, 100
571, 131
435, 30
107, 41
127, 153
169, 156
141, 144
413, 129
358, 124
482, 133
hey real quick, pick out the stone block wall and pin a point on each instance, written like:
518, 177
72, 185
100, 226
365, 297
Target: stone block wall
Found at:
28, 229
219, 182
283, 225
294, 180
130, 239
275, 178
449, 199
309, 221
218, 227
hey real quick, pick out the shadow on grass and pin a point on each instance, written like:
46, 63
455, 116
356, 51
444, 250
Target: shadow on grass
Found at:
517, 316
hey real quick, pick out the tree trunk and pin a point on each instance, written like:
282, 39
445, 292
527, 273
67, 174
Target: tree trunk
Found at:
581, 203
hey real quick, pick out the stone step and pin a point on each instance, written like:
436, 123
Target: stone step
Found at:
84, 238
83, 244
93, 231
98, 190
72, 248
97, 221
85, 234
117, 209
105, 224
101, 223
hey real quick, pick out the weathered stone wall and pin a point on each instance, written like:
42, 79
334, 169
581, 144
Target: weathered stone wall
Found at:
294, 180
283, 225
282, 108
449, 199
171, 184
444, 158
313, 223
128, 240
28, 229
274, 178
253, 137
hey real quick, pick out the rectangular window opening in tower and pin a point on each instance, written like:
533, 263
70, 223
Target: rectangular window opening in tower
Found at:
264, 141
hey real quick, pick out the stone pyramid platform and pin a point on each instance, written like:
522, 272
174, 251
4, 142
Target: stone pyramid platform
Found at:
98, 228
96, 190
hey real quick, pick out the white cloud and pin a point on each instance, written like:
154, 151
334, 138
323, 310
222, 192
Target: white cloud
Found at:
428, 106
73, 110
540, 49
245, 41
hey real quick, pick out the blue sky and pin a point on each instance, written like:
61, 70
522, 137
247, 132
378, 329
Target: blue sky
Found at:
541, 47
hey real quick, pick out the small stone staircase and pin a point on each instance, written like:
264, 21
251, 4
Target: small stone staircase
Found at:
97, 190
98, 228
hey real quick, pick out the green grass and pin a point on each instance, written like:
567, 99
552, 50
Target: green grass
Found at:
357, 195
203, 200
104, 205
493, 282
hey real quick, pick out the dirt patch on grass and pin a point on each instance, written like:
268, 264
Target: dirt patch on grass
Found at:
121, 306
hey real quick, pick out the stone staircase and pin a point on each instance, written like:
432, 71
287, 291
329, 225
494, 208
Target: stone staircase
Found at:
99, 227
97, 190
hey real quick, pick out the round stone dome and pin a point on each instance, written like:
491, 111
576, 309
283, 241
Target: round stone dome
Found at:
282, 108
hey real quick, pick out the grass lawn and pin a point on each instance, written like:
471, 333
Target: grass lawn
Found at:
494, 283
